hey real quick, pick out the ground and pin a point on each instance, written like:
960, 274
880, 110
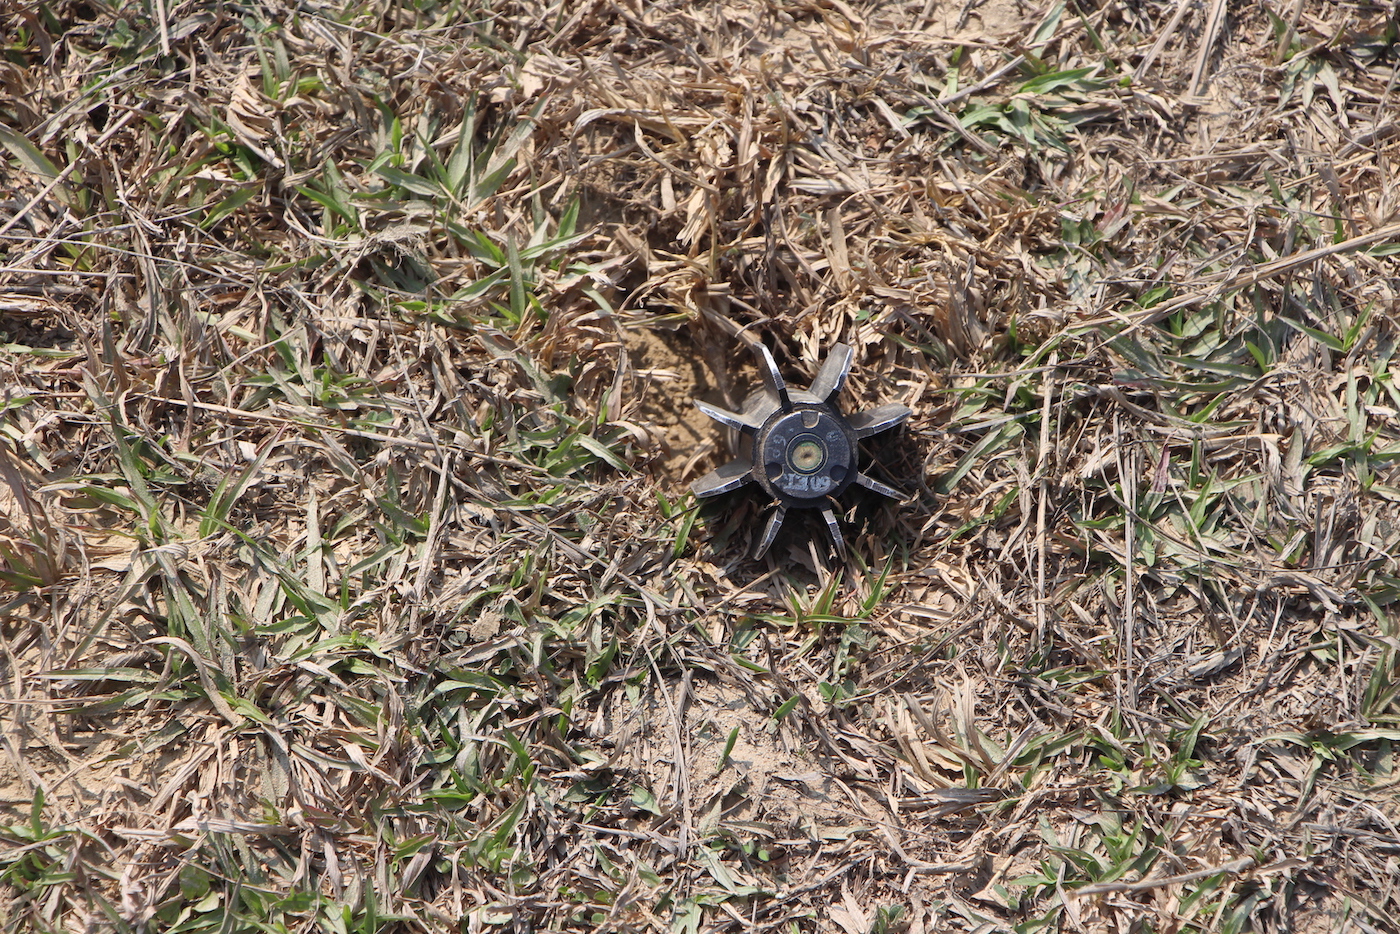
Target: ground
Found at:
350, 580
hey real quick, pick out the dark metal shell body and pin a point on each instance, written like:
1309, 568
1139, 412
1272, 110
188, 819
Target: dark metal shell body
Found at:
805, 455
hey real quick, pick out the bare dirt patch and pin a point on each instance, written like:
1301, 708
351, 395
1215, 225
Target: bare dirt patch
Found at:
667, 376
989, 22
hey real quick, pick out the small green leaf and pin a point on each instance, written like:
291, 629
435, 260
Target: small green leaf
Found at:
1043, 84
644, 799
683, 530
786, 707
1322, 337
36, 813
413, 183
599, 450
227, 206
517, 281
728, 748
33, 159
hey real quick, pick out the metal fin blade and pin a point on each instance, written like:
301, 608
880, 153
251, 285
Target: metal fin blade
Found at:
734, 420
770, 531
878, 419
870, 483
835, 527
728, 477
831, 378
775, 379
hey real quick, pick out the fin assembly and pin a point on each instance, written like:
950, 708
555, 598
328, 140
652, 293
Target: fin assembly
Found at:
798, 445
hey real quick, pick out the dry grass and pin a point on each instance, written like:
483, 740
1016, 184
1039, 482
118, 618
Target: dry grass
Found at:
349, 578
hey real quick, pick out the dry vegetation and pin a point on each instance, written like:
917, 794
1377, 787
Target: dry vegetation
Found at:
350, 581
